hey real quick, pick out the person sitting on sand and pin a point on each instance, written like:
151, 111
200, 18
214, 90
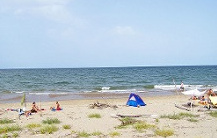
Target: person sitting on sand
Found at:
57, 107
35, 108
211, 92
208, 93
202, 100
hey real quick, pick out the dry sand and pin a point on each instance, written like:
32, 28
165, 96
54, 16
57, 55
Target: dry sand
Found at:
75, 113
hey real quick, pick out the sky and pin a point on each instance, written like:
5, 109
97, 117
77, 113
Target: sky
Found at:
107, 33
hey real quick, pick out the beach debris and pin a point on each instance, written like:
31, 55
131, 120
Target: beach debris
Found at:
101, 105
181, 107
122, 116
134, 116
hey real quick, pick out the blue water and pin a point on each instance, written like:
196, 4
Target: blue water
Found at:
106, 80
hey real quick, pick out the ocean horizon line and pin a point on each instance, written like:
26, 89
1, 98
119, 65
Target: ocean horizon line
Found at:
139, 66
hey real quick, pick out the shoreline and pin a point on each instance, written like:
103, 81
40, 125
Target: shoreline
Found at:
16, 98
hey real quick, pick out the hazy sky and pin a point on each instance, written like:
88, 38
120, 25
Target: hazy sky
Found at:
104, 33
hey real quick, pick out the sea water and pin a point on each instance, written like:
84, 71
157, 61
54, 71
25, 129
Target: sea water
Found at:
154, 80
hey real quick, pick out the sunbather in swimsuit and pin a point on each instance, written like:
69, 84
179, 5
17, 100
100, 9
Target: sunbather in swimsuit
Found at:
57, 107
34, 109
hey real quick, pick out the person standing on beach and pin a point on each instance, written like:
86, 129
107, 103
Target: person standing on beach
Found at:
182, 86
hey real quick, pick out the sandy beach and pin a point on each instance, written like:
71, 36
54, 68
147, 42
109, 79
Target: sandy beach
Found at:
76, 116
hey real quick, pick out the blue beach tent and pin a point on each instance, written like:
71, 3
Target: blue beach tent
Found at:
135, 100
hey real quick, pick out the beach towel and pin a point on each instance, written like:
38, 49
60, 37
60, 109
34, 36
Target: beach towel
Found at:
213, 99
54, 109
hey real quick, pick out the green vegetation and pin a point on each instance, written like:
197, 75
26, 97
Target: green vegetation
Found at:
188, 115
115, 133
140, 126
97, 133
174, 116
94, 116
164, 132
6, 129
51, 121
157, 120
179, 116
48, 129
5, 136
66, 126
73, 132
213, 114
6, 121
33, 125
14, 135
192, 120
83, 134
127, 121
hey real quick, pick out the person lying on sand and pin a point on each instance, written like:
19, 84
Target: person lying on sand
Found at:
193, 98
57, 107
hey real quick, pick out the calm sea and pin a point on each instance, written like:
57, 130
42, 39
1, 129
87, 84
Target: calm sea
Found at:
113, 80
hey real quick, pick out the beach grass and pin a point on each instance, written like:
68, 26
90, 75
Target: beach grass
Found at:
5, 136
66, 126
51, 121
33, 125
114, 134
48, 129
174, 116
187, 115
213, 114
140, 126
179, 116
96, 133
164, 132
15, 135
6, 129
94, 115
157, 120
6, 121
127, 121
192, 120
83, 134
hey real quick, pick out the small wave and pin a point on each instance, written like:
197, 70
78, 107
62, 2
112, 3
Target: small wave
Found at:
174, 87
165, 87
47, 93
118, 91
62, 82
149, 86
6, 91
105, 88
18, 92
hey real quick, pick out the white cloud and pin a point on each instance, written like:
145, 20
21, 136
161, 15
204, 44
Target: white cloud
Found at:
50, 9
124, 30
53, 12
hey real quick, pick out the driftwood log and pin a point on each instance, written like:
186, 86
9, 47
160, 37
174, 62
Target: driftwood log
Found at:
102, 105
119, 115
181, 107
